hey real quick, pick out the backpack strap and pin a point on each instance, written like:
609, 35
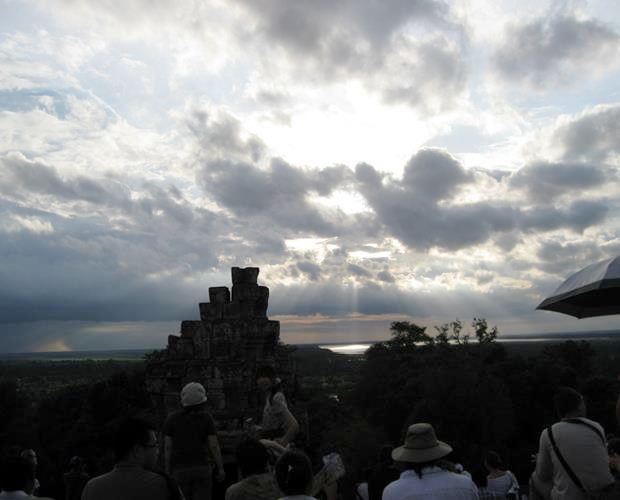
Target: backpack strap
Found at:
581, 422
567, 468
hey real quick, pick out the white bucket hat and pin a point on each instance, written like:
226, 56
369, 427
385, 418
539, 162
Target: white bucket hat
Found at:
193, 394
421, 445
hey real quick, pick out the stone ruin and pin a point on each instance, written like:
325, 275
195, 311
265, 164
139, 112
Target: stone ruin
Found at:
222, 351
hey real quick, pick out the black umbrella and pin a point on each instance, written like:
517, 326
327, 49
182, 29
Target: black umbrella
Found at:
593, 291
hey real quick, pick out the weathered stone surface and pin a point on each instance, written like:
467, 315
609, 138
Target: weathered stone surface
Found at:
219, 295
189, 329
210, 311
222, 351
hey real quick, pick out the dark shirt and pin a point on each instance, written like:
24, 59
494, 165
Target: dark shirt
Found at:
189, 431
127, 482
74, 484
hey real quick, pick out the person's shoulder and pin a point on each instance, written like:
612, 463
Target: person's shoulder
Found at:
458, 478
172, 419
100, 478
279, 398
593, 423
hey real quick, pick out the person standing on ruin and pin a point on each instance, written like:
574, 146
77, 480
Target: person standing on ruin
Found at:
278, 423
191, 444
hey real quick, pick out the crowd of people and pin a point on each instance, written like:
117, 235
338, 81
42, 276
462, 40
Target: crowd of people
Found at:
575, 461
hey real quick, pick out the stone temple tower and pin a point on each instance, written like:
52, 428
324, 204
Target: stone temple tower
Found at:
222, 351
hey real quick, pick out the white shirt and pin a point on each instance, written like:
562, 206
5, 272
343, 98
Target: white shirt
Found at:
14, 494
436, 484
585, 453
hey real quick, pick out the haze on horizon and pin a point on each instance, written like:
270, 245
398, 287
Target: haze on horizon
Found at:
421, 160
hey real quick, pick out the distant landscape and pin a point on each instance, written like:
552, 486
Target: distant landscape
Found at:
480, 394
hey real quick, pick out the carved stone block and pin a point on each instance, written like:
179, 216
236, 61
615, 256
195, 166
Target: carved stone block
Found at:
248, 275
219, 295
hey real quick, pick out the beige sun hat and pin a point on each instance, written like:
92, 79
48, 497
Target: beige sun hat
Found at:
421, 445
193, 394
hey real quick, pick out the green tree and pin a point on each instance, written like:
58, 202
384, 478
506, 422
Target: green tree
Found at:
409, 334
482, 332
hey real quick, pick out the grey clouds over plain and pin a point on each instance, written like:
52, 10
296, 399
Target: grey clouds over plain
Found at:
147, 148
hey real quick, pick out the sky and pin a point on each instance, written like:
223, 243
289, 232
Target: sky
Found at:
419, 160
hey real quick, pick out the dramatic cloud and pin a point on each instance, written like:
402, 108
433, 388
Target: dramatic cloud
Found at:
544, 182
594, 135
146, 148
412, 52
411, 209
556, 49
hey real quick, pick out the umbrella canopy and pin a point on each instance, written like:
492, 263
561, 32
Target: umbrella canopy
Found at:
593, 291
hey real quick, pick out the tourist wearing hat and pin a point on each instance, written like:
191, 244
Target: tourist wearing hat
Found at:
191, 445
422, 477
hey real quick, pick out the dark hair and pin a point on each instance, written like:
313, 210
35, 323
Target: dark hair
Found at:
75, 463
16, 472
613, 446
294, 473
566, 400
131, 432
479, 476
418, 466
252, 457
493, 460
270, 373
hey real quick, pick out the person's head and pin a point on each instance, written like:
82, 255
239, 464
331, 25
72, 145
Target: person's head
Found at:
136, 442
30, 456
265, 377
613, 447
492, 461
569, 403
294, 473
76, 463
421, 449
17, 474
252, 457
193, 396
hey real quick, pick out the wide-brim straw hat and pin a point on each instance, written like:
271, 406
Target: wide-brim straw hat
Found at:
193, 394
421, 445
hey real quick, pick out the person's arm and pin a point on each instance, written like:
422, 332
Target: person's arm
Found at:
214, 446
167, 453
544, 465
618, 408
291, 425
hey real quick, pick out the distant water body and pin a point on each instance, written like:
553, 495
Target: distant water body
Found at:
352, 348
606, 335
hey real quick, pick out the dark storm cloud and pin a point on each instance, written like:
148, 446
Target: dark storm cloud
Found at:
336, 299
310, 269
564, 257
546, 181
386, 277
555, 49
29, 176
594, 136
411, 210
81, 276
359, 271
321, 28
444, 70
222, 135
363, 39
434, 174
278, 193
